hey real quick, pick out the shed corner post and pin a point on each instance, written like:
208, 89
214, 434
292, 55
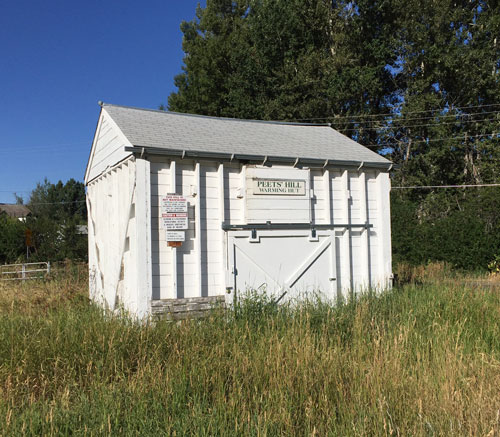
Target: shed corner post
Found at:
143, 238
385, 249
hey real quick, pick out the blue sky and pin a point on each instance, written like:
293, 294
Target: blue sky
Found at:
58, 58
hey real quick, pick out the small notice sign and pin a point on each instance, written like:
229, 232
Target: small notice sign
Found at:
280, 187
175, 235
175, 220
174, 203
28, 235
174, 213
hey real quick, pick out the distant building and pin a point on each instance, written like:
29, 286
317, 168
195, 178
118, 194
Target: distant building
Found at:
82, 229
19, 212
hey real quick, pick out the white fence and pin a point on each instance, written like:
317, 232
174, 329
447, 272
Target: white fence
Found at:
13, 272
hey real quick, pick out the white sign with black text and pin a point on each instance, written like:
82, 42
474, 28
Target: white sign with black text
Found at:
174, 203
174, 215
175, 236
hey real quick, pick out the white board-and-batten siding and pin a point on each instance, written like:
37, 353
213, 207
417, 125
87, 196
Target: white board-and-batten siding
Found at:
199, 260
112, 229
335, 196
119, 239
108, 148
131, 264
217, 193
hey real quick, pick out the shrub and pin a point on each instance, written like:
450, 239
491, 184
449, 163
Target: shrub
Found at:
11, 239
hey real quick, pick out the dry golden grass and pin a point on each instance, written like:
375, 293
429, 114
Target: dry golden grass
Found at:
68, 282
420, 360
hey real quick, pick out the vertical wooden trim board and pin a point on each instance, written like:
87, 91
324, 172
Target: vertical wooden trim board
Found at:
106, 212
223, 267
243, 175
197, 227
143, 237
333, 265
365, 233
346, 237
328, 219
173, 177
328, 205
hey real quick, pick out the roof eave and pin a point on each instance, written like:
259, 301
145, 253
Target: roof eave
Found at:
313, 162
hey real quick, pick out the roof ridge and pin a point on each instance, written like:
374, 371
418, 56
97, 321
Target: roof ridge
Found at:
185, 114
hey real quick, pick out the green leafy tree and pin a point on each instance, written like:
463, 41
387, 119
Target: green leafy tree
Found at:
417, 80
58, 212
11, 239
447, 70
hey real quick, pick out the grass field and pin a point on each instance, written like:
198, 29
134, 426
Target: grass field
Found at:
423, 359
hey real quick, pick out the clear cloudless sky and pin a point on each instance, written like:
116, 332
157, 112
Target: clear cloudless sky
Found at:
58, 58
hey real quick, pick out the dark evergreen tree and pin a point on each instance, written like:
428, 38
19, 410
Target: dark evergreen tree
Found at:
286, 60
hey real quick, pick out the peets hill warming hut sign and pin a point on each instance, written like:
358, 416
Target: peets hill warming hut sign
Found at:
287, 187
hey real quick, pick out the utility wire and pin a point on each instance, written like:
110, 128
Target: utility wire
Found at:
418, 187
432, 117
58, 145
394, 118
392, 114
437, 123
45, 147
493, 134
54, 203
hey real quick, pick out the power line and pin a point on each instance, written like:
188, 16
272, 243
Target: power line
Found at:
44, 147
56, 145
55, 203
50, 203
18, 152
397, 118
437, 123
417, 187
439, 139
389, 114
423, 118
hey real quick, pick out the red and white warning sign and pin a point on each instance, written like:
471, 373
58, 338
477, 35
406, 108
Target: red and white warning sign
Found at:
175, 220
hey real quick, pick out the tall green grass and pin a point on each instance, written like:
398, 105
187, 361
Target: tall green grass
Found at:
419, 360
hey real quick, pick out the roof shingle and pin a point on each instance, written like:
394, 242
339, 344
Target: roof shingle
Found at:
196, 133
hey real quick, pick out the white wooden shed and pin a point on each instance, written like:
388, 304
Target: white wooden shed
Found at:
290, 209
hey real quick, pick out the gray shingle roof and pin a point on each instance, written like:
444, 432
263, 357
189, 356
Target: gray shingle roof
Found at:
194, 133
